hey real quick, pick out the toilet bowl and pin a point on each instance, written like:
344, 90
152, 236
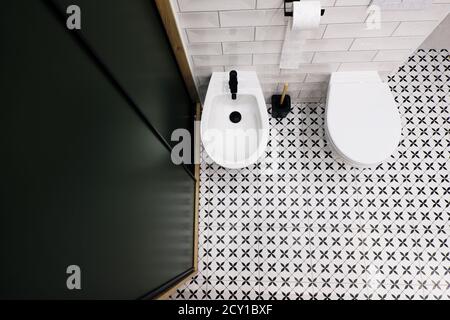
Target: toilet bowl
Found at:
362, 122
235, 127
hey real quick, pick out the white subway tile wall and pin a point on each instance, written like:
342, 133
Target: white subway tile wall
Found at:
199, 20
222, 35
278, 32
386, 43
204, 48
376, 66
359, 30
230, 59
344, 56
252, 47
415, 28
391, 55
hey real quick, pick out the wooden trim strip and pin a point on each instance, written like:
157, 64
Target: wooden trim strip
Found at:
197, 182
169, 21
166, 295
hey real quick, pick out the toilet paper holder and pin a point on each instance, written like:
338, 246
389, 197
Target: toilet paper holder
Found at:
289, 13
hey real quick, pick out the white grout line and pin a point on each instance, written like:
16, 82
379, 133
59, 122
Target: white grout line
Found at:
395, 29
376, 53
218, 16
351, 45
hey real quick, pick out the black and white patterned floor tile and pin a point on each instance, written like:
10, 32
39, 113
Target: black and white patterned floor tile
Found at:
301, 224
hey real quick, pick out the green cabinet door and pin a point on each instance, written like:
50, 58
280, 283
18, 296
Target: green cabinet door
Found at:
83, 181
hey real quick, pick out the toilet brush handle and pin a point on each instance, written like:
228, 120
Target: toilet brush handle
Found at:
283, 95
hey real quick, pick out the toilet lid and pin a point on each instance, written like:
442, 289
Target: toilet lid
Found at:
363, 121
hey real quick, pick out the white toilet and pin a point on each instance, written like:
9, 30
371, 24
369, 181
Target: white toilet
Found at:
362, 122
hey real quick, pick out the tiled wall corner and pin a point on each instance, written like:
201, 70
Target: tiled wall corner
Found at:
221, 35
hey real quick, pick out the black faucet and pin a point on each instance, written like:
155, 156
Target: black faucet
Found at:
233, 83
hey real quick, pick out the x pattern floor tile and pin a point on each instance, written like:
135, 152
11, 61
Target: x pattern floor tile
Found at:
302, 224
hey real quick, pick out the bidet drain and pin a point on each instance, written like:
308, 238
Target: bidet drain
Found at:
235, 117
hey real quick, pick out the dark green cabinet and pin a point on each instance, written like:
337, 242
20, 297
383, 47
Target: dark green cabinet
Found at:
84, 181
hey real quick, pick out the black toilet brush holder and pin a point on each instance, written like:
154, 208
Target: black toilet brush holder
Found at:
281, 104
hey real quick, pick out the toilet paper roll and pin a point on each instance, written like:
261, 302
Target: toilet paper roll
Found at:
306, 17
